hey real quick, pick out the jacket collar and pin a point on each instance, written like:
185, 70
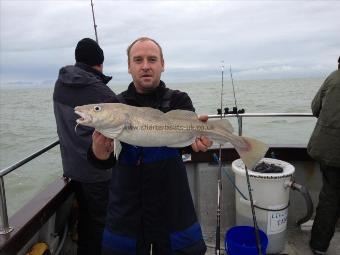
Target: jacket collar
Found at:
89, 69
154, 98
159, 91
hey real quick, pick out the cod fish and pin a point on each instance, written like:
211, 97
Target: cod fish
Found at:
148, 127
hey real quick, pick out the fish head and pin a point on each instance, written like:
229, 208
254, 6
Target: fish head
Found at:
99, 116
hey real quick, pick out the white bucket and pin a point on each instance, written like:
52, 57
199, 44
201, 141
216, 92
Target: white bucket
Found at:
270, 192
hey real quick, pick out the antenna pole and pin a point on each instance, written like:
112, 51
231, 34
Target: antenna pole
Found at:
94, 22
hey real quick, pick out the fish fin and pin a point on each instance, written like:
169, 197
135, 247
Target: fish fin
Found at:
117, 148
112, 132
183, 144
254, 152
180, 114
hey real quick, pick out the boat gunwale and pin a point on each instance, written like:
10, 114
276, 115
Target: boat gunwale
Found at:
33, 215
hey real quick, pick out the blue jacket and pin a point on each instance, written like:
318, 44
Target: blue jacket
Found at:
150, 200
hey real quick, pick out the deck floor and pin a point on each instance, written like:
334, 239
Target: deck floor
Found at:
297, 244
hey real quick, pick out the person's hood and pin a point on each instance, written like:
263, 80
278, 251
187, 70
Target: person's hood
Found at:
81, 75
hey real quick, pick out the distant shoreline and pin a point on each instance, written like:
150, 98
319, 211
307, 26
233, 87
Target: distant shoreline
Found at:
113, 84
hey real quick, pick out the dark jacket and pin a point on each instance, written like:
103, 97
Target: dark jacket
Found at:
324, 144
79, 85
150, 199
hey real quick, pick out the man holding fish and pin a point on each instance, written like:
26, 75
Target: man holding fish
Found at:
150, 206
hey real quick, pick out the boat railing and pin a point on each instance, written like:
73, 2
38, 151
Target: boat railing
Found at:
4, 223
245, 115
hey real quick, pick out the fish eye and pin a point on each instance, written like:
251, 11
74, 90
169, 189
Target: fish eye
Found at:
97, 108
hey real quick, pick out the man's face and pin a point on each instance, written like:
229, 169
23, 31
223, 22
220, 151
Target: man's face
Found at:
145, 66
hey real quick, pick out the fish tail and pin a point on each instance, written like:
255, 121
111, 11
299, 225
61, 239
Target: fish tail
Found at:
253, 152
218, 131
249, 149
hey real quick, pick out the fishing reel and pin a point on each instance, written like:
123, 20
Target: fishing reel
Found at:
233, 111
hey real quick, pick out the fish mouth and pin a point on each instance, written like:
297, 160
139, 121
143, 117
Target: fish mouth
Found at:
84, 118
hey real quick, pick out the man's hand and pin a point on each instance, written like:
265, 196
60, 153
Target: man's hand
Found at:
202, 143
102, 146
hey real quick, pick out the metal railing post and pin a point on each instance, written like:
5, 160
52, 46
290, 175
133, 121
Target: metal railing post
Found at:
4, 226
239, 119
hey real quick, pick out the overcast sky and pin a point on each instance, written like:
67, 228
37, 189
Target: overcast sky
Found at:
259, 39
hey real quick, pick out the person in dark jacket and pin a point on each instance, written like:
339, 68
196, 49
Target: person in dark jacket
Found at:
150, 207
79, 84
324, 146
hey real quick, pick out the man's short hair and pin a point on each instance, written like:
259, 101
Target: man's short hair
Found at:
89, 52
142, 39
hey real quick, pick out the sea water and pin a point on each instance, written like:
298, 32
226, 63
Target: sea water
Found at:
27, 123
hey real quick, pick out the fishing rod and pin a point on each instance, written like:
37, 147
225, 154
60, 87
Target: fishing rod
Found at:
219, 179
235, 109
256, 227
232, 83
94, 22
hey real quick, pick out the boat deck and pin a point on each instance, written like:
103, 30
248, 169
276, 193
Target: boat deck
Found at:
297, 243
48, 211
